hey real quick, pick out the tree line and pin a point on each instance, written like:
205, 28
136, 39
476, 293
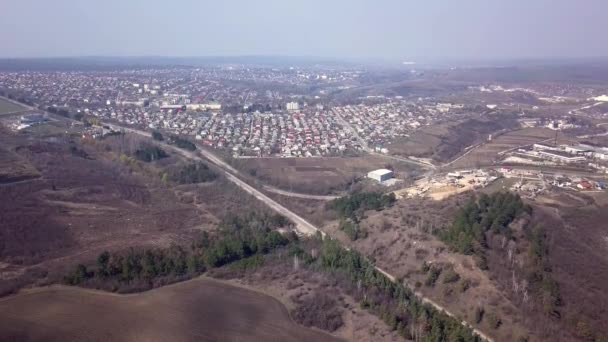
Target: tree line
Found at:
349, 206
182, 143
242, 240
239, 237
539, 272
150, 153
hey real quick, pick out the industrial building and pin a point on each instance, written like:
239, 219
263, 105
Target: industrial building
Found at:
380, 175
589, 151
560, 156
292, 106
214, 106
177, 108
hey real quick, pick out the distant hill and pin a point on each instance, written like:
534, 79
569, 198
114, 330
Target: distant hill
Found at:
113, 63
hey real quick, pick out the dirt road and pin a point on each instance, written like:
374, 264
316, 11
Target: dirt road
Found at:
303, 226
299, 195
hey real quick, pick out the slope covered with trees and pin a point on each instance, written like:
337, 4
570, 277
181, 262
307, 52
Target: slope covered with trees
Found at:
395, 304
351, 208
488, 213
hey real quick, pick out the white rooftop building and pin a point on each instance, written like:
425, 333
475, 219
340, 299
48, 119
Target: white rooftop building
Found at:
380, 175
292, 106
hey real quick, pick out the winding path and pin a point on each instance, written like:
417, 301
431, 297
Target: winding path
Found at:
303, 227
299, 195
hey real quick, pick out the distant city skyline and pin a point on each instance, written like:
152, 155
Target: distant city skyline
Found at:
384, 29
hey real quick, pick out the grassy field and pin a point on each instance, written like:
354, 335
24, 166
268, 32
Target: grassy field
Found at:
9, 107
318, 175
197, 310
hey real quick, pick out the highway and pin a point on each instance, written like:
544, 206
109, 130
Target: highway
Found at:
303, 227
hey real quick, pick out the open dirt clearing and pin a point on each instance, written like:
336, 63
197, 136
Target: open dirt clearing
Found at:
197, 310
9, 107
319, 176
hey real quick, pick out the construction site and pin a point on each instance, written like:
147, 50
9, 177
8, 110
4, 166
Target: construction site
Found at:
443, 186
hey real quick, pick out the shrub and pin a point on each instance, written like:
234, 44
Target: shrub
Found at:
194, 173
352, 230
432, 276
320, 311
464, 285
150, 153
450, 276
156, 135
494, 321
183, 143
479, 313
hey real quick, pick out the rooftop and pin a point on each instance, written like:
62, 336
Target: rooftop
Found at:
380, 172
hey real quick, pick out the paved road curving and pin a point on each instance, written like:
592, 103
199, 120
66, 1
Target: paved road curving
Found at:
299, 195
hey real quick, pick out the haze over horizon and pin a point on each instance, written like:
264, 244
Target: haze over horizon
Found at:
388, 29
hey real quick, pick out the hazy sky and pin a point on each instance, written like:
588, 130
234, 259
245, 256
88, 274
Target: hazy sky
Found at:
401, 29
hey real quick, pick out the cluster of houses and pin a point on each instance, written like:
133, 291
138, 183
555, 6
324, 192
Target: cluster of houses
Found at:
380, 123
288, 134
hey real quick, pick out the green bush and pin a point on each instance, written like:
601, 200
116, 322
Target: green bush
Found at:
494, 321
347, 206
150, 153
432, 276
156, 135
479, 313
450, 276
194, 173
183, 143
352, 230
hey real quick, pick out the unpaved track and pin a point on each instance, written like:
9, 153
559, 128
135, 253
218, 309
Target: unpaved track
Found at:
300, 195
303, 226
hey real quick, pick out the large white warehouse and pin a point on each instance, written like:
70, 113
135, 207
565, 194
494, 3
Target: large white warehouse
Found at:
381, 175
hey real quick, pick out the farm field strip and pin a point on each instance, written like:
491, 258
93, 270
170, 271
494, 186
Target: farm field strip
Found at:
199, 309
